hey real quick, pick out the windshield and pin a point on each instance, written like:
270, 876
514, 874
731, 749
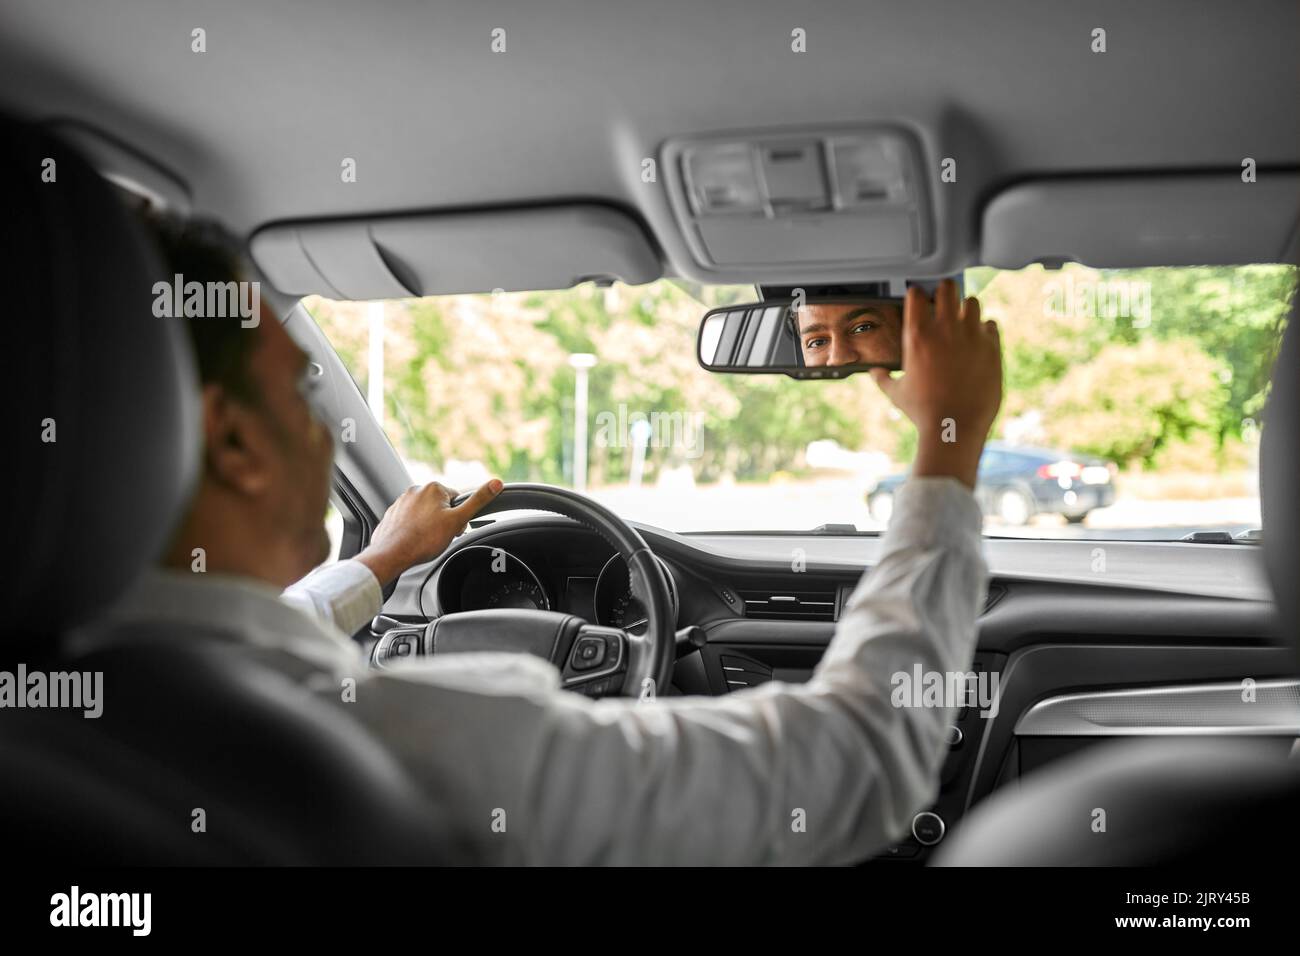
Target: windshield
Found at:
1132, 407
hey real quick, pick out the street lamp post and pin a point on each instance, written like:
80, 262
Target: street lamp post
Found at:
375, 386
581, 361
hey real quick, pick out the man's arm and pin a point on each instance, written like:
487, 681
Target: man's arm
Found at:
417, 527
346, 594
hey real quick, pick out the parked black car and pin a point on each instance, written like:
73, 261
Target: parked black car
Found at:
1017, 482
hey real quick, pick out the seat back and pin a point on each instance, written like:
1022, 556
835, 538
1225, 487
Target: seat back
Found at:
203, 755
108, 447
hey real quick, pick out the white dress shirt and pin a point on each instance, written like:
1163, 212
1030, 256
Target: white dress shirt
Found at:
828, 771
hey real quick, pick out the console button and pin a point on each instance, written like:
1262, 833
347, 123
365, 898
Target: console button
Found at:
901, 851
927, 827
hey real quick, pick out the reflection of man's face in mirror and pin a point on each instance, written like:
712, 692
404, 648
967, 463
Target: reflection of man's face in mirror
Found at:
853, 333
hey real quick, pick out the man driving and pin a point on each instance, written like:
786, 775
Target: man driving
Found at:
828, 771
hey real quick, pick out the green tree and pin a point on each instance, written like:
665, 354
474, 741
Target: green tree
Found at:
1131, 401
1235, 313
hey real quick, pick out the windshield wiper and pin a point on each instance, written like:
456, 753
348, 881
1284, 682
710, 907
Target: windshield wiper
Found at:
1253, 536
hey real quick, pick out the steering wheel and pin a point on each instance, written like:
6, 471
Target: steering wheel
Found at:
593, 659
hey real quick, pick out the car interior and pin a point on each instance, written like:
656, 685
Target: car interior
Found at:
383, 152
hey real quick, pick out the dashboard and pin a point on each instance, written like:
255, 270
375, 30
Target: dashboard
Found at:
1190, 619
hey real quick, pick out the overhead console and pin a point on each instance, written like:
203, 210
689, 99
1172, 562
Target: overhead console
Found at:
818, 201
1132, 221
551, 247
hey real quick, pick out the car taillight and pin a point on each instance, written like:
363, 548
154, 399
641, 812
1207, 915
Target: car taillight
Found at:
1096, 474
1060, 469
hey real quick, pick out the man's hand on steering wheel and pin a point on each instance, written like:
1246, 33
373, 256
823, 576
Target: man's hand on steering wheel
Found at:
419, 526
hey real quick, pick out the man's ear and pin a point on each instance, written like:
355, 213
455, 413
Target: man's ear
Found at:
236, 452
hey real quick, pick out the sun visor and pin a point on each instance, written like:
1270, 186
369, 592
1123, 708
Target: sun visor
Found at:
552, 247
1144, 221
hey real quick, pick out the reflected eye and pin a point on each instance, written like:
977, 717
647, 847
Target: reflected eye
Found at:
863, 327
814, 343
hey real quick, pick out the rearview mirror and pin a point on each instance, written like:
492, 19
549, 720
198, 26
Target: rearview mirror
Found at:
804, 338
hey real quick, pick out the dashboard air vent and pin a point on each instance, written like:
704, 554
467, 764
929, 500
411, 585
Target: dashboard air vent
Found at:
789, 605
741, 672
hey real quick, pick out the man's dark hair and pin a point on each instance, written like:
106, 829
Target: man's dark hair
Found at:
201, 250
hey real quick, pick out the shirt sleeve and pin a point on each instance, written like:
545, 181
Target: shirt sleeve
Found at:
824, 772
344, 594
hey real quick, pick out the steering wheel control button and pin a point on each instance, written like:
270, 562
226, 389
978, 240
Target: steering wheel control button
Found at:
588, 653
395, 643
927, 827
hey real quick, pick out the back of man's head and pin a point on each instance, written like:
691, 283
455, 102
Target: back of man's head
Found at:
203, 252
260, 508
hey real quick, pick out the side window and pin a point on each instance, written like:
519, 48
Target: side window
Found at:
343, 526
334, 528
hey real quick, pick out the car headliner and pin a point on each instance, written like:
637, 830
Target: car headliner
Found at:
257, 125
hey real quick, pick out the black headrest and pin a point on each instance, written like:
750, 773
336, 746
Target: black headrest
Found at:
106, 446
1279, 470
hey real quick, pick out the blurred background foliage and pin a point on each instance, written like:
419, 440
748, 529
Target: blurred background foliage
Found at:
1174, 378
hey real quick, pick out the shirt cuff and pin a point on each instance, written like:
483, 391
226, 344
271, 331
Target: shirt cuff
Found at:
933, 511
345, 594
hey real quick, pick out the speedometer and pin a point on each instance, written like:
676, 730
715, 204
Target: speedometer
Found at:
478, 577
628, 613
617, 606
520, 593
